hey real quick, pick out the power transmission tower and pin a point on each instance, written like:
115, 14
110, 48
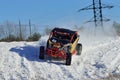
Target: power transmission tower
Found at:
97, 7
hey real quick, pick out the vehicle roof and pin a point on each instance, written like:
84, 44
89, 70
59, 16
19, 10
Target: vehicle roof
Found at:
64, 30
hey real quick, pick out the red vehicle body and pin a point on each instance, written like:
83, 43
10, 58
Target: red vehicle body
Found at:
62, 43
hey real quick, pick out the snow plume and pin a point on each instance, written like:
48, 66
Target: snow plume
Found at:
96, 33
43, 40
98, 50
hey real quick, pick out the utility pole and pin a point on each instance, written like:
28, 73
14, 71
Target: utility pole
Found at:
30, 26
20, 34
97, 7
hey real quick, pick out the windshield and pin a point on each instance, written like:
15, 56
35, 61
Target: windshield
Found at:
62, 36
62, 41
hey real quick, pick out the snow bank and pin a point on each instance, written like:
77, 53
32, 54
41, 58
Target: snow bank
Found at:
100, 57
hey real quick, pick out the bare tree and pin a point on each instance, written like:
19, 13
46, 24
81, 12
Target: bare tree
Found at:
78, 28
47, 30
1, 31
116, 26
8, 28
20, 31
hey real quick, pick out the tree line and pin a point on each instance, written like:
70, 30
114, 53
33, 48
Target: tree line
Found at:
116, 26
20, 32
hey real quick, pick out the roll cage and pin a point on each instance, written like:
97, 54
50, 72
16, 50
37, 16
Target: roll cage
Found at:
64, 34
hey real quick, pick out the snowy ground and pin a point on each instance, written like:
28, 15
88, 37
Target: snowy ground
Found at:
99, 59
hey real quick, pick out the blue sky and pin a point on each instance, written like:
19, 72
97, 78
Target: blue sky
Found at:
53, 12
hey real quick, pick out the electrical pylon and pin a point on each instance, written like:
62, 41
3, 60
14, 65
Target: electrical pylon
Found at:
98, 18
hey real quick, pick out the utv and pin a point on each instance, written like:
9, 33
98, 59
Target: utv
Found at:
62, 43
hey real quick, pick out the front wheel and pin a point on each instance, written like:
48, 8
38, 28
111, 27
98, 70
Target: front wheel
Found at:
68, 56
79, 48
41, 52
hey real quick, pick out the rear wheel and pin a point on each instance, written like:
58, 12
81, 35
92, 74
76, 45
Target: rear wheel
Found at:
68, 56
79, 48
42, 52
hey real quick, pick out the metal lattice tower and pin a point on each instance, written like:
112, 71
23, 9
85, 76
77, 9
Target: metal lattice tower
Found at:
97, 7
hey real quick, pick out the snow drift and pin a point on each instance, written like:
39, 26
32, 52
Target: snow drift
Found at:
100, 58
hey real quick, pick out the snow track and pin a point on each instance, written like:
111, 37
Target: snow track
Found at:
19, 61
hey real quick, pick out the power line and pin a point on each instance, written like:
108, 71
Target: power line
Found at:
97, 7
